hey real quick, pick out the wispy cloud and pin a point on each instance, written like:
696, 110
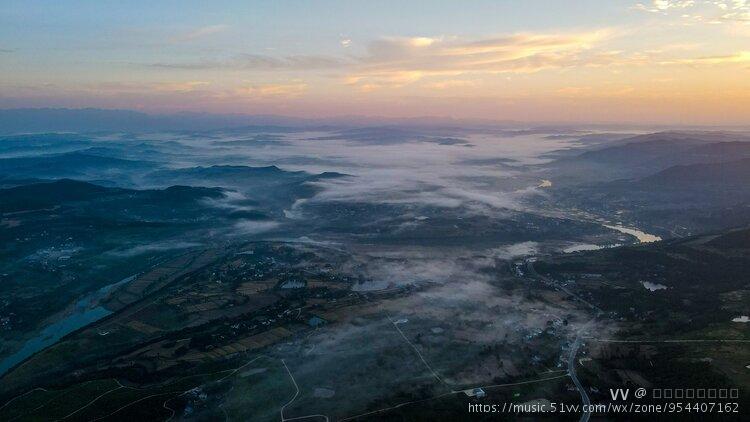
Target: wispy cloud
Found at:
287, 90
394, 62
199, 33
740, 57
701, 11
740, 16
260, 62
180, 86
594, 92
451, 83
661, 6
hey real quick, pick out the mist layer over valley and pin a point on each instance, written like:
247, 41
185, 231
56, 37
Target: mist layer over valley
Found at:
196, 274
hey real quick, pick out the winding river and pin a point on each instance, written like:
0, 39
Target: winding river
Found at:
642, 237
84, 312
87, 311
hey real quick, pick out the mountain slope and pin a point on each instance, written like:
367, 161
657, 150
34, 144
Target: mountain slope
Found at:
68, 165
61, 192
724, 174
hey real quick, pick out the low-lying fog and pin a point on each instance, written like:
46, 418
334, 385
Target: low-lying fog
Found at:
442, 211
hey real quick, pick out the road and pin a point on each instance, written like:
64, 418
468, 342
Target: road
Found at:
450, 393
296, 393
532, 271
434, 373
572, 372
577, 343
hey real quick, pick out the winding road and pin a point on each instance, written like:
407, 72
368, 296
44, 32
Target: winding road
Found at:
576, 344
572, 372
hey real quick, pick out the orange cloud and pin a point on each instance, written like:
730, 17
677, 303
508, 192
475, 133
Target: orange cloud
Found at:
740, 57
396, 62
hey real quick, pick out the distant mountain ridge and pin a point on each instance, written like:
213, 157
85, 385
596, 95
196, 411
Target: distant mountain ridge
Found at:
92, 120
663, 145
65, 165
644, 155
36, 120
236, 174
49, 194
732, 173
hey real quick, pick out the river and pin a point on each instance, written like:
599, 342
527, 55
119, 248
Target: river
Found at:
84, 312
642, 237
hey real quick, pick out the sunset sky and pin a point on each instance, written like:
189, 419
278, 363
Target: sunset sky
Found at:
673, 62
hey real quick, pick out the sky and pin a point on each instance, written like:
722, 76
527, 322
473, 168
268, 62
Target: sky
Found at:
663, 61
